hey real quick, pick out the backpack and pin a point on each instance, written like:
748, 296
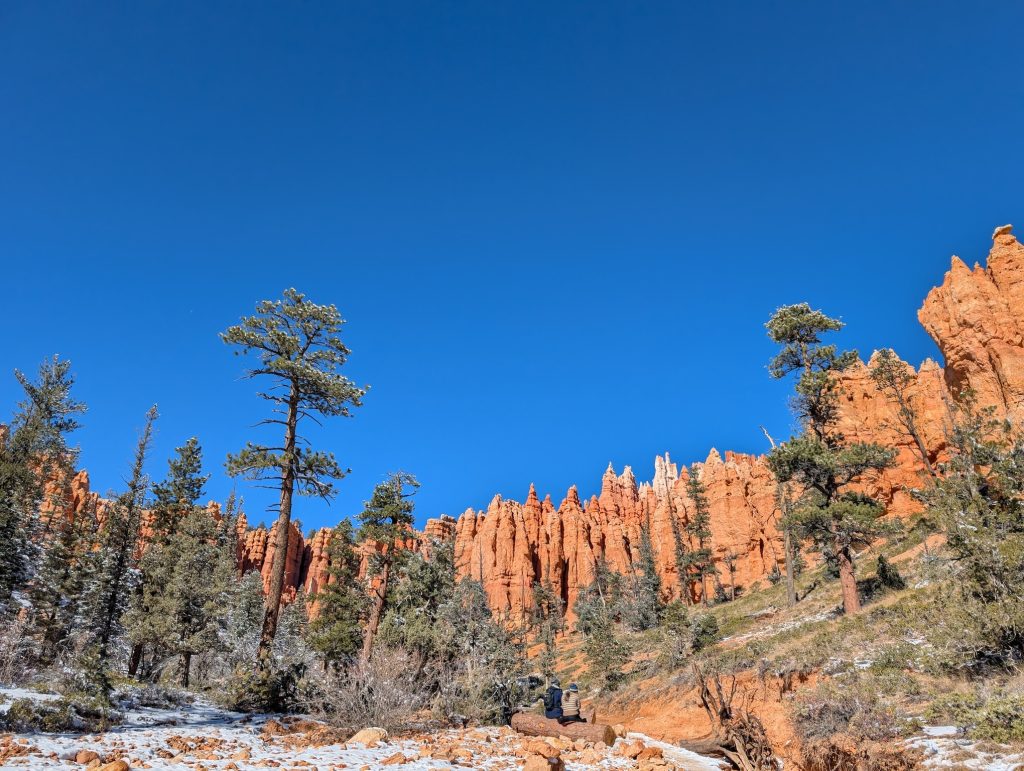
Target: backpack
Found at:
549, 699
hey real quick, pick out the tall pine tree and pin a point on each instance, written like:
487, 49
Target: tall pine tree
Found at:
698, 527
175, 499
820, 460
300, 352
336, 633
114, 565
385, 520
34, 453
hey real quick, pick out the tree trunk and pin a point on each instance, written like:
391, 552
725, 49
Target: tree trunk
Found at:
847, 580
537, 725
135, 660
787, 547
186, 666
373, 623
272, 604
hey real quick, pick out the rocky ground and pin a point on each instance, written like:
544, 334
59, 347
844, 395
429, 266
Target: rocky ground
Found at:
202, 736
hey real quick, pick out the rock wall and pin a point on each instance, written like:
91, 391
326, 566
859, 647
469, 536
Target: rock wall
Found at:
976, 318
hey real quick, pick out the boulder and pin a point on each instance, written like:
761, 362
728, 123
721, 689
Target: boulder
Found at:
370, 736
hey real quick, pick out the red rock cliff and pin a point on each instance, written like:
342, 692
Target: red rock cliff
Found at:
976, 317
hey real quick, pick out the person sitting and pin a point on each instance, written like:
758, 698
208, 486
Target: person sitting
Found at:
553, 700
571, 706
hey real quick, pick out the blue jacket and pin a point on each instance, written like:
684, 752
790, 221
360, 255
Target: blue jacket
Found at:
553, 697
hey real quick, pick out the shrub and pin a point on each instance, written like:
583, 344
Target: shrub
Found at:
888, 576
705, 631
57, 716
386, 692
1002, 720
960, 709
852, 705
15, 650
272, 689
997, 718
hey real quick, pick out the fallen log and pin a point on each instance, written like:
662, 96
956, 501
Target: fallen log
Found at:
707, 747
538, 725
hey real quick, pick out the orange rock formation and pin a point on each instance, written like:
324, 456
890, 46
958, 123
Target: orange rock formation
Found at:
976, 318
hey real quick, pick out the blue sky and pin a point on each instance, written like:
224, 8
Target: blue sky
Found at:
556, 229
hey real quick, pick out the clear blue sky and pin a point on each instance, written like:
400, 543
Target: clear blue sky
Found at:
556, 229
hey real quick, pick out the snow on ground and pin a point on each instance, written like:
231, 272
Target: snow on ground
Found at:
203, 736
10, 695
944, 747
691, 761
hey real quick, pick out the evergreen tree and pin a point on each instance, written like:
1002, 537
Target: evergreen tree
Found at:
184, 617
644, 607
57, 590
35, 452
698, 527
481, 661
605, 652
978, 502
548, 622
730, 564
300, 351
599, 599
423, 587
113, 574
155, 620
245, 620
682, 561
336, 633
385, 520
894, 378
820, 460
180, 492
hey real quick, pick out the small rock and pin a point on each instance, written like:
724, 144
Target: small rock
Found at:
540, 763
85, 757
368, 735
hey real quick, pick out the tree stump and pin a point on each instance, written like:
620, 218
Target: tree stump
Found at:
538, 725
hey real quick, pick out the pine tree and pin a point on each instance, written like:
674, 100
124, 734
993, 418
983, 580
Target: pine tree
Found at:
419, 588
682, 561
646, 604
820, 460
57, 590
180, 492
154, 620
114, 573
300, 351
894, 378
195, 607
34, 453
605, 652
385, 520
730, 564
336, 633
548, 622
977, 500
698, 527
481, 657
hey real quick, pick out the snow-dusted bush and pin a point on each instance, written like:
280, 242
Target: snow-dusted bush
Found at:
384, 692
15, 652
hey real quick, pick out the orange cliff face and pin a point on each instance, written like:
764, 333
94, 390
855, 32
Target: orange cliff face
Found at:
976, 318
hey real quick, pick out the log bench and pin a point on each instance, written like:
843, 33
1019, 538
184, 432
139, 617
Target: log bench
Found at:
532, 724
